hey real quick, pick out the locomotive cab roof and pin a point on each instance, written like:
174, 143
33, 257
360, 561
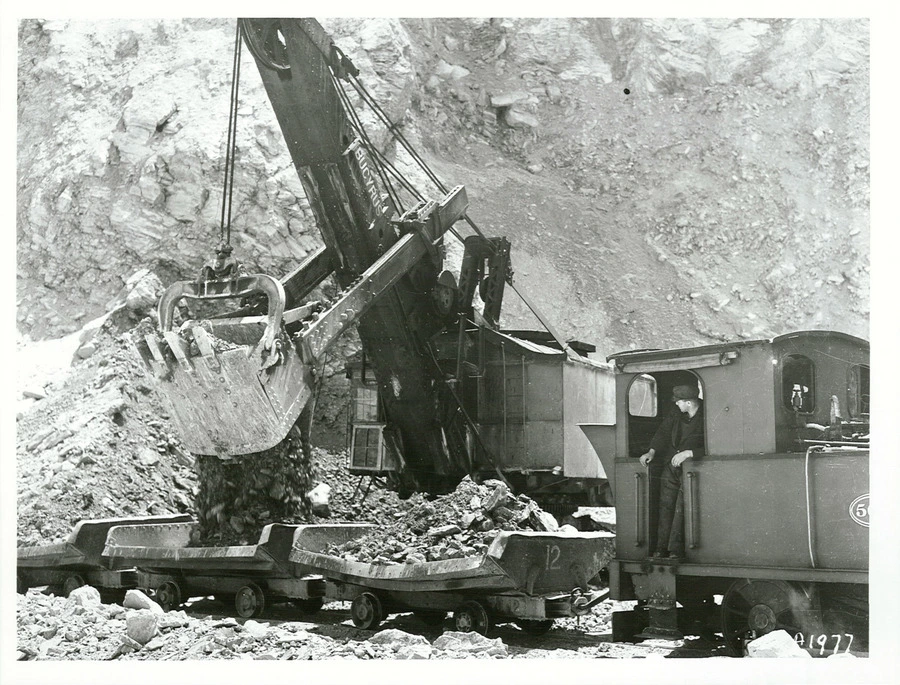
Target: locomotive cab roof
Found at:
719, 353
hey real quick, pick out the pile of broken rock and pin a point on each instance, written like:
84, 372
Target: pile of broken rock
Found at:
460, 524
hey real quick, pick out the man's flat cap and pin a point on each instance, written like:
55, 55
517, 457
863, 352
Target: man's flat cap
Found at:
685, 392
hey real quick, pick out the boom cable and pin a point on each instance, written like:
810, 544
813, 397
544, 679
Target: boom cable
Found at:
231, 143
383, 166
398, 135
356, 124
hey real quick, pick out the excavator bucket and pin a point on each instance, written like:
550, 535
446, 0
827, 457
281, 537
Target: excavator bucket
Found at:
233, 386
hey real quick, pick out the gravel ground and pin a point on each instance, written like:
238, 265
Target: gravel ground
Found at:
80, 627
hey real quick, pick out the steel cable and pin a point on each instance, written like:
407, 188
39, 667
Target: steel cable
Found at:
398, 135
230, 145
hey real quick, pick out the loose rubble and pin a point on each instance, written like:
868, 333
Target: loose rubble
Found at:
54, 628
460, 524
98, 444
238, 497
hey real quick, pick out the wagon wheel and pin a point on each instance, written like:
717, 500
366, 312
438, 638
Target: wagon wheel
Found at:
168, 595
366, 611
430, 617
535, 626
249, 601
71, 583
472, 616
753, 608
308, 606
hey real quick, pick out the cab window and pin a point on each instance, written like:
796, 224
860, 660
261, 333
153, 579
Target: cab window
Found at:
642, 396
858, 392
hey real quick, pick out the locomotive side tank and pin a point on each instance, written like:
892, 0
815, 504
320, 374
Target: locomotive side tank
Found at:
776, 511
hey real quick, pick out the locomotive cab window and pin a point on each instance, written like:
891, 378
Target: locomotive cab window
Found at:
798, 383
858, 392
642, 396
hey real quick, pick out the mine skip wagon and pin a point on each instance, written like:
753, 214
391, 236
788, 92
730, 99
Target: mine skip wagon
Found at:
776, 522
527, 577
78, 561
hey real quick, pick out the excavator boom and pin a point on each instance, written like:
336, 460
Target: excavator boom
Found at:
236, 385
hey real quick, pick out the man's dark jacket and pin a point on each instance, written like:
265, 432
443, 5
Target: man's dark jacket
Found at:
677, 432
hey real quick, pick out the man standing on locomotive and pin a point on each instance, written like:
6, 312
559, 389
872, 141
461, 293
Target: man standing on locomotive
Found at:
678, 438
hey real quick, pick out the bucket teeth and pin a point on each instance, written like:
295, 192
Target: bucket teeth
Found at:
180, 349
155, 351
204, 342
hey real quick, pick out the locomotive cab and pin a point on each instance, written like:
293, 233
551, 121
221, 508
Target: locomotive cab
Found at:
775, 512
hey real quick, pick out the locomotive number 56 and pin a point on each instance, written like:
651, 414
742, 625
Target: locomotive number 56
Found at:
859, 510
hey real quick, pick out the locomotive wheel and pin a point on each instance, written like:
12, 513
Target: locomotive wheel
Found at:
72, 582
472, 616
168, 595
430, 617
308, 606
753, 608
535, 626
366, 611
249, 601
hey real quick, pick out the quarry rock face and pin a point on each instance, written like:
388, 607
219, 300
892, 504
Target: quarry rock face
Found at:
740, 144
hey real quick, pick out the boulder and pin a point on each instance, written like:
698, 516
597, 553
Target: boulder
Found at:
472, 643
86, 350
114, 611
155, 643
496, 498
143, 289
148, 456
141, 625
256, 630
173, 619
777, 644
85, 596
135, 599
543, 520
319, 499
516, 118
126, 646
451, 72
